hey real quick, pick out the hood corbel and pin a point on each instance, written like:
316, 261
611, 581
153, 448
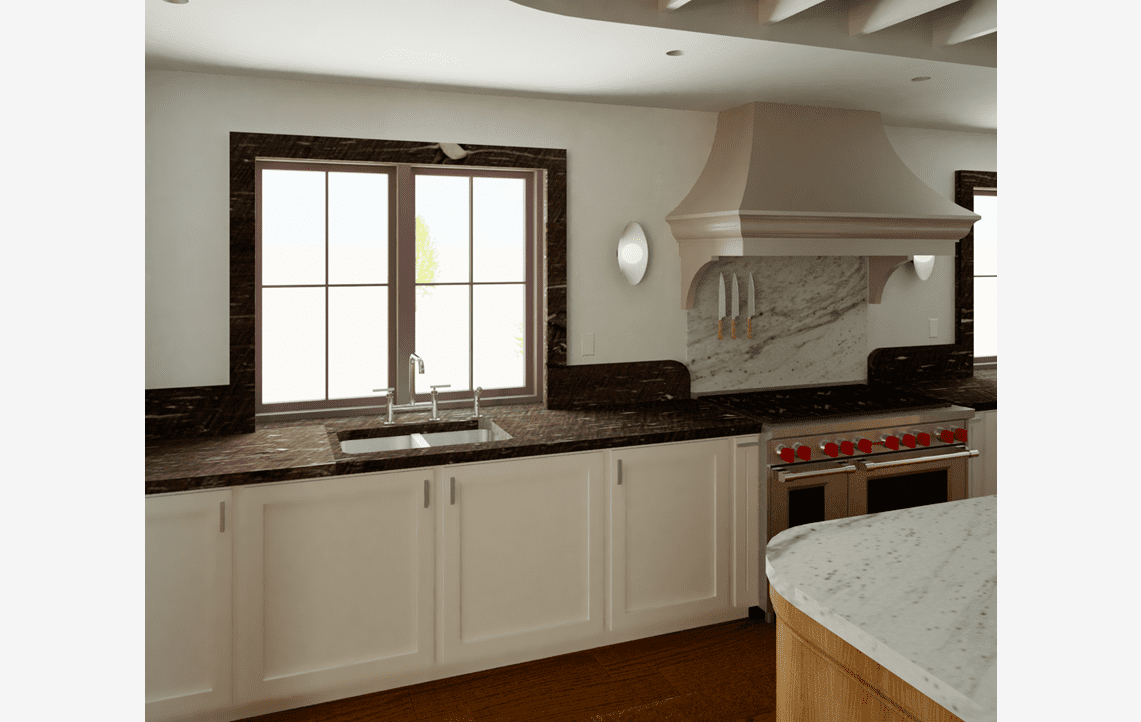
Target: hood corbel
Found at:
796, 180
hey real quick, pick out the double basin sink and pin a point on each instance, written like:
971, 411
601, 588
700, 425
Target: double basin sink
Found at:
395, 440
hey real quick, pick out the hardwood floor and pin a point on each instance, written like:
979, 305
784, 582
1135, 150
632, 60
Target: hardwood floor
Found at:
720, 673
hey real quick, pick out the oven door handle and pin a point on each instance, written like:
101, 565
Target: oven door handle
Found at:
869, 465
784, 476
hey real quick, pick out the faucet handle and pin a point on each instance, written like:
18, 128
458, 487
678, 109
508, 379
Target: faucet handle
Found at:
388, 392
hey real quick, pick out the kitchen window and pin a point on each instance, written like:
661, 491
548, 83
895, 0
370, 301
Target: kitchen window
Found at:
986, 275
358, 265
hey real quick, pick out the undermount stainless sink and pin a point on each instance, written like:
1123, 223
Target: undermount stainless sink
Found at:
487, 431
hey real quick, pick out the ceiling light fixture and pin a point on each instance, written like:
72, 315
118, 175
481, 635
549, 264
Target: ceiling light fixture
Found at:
177, 2
674, 53
920, 79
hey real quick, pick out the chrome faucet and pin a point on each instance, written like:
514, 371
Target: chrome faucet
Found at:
412, 359
475, 413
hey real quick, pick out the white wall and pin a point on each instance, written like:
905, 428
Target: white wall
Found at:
624, 164
934, 156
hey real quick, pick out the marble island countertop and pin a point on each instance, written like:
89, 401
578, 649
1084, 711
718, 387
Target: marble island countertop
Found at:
288, 450
914, 590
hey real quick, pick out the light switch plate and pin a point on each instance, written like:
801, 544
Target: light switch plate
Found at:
588, 344
933, 327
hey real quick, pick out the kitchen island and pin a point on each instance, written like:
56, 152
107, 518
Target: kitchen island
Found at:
889, 616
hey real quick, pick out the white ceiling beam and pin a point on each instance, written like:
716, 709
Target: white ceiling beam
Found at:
973, 19
665, 6
868, 16
773, 11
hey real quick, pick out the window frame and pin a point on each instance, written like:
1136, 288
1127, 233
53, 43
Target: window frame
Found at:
401, 288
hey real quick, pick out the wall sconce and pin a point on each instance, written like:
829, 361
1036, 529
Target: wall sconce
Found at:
633, 254
923, 266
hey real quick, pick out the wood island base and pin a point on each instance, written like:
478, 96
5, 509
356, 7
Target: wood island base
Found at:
822, 677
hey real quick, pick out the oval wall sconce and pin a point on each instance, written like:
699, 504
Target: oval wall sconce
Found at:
923, 266
633, 254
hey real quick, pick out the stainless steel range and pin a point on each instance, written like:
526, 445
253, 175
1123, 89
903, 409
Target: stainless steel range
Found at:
849, 450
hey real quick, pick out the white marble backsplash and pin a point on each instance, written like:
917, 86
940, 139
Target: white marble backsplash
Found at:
811, 326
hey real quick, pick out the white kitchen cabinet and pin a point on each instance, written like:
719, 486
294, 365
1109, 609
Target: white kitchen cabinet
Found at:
983, 434
749, 509
523, 555
334, 583
188, 572
671, 533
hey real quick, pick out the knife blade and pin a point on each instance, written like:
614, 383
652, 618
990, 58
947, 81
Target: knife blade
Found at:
735, 308
752, 304
752, 297
720, 303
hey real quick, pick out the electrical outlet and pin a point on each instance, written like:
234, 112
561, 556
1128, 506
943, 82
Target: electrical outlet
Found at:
933, 327
588, 344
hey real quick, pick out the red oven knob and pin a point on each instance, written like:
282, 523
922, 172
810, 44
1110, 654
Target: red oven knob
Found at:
890, 442
864, 445
847, 448
803, 451
945, 435
830, 448
909, 440
786, 454
923, 438
961, 435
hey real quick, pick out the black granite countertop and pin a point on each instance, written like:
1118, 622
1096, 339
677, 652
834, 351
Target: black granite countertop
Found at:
287, 450
979, 392
280, 451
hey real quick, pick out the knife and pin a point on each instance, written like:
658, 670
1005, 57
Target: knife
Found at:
752, 304
735, 308
720, 303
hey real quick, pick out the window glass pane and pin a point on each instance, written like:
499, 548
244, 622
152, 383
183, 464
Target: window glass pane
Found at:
442, 237
358, 341
292, 227
986, 317
499, 337
358, 228
293, 344
986, 236
442, 337
499, 215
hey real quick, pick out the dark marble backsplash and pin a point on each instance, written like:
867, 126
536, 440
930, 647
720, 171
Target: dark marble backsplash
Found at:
616, 384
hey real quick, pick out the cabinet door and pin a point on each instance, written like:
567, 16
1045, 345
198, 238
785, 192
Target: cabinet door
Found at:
749, 508
671, 533
188, 569
334, 582
522, 555
984, 467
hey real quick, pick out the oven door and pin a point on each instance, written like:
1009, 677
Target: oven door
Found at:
910, 478
807, 493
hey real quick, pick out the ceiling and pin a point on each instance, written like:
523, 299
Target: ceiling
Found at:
856, 54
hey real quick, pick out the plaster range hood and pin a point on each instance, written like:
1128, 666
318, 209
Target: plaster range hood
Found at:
797, 180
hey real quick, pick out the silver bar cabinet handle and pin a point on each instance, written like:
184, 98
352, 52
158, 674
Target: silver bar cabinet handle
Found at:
920, 459
221, 516
453, 490
619, 472
783, 476
426, 493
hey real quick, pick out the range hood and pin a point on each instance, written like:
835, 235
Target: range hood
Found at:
797, 180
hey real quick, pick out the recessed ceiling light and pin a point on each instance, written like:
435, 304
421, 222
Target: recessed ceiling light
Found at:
178, 2
920, 78
674, 53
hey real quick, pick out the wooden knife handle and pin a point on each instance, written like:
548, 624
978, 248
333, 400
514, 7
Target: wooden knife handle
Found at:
750, 331
718, 329
733, 329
